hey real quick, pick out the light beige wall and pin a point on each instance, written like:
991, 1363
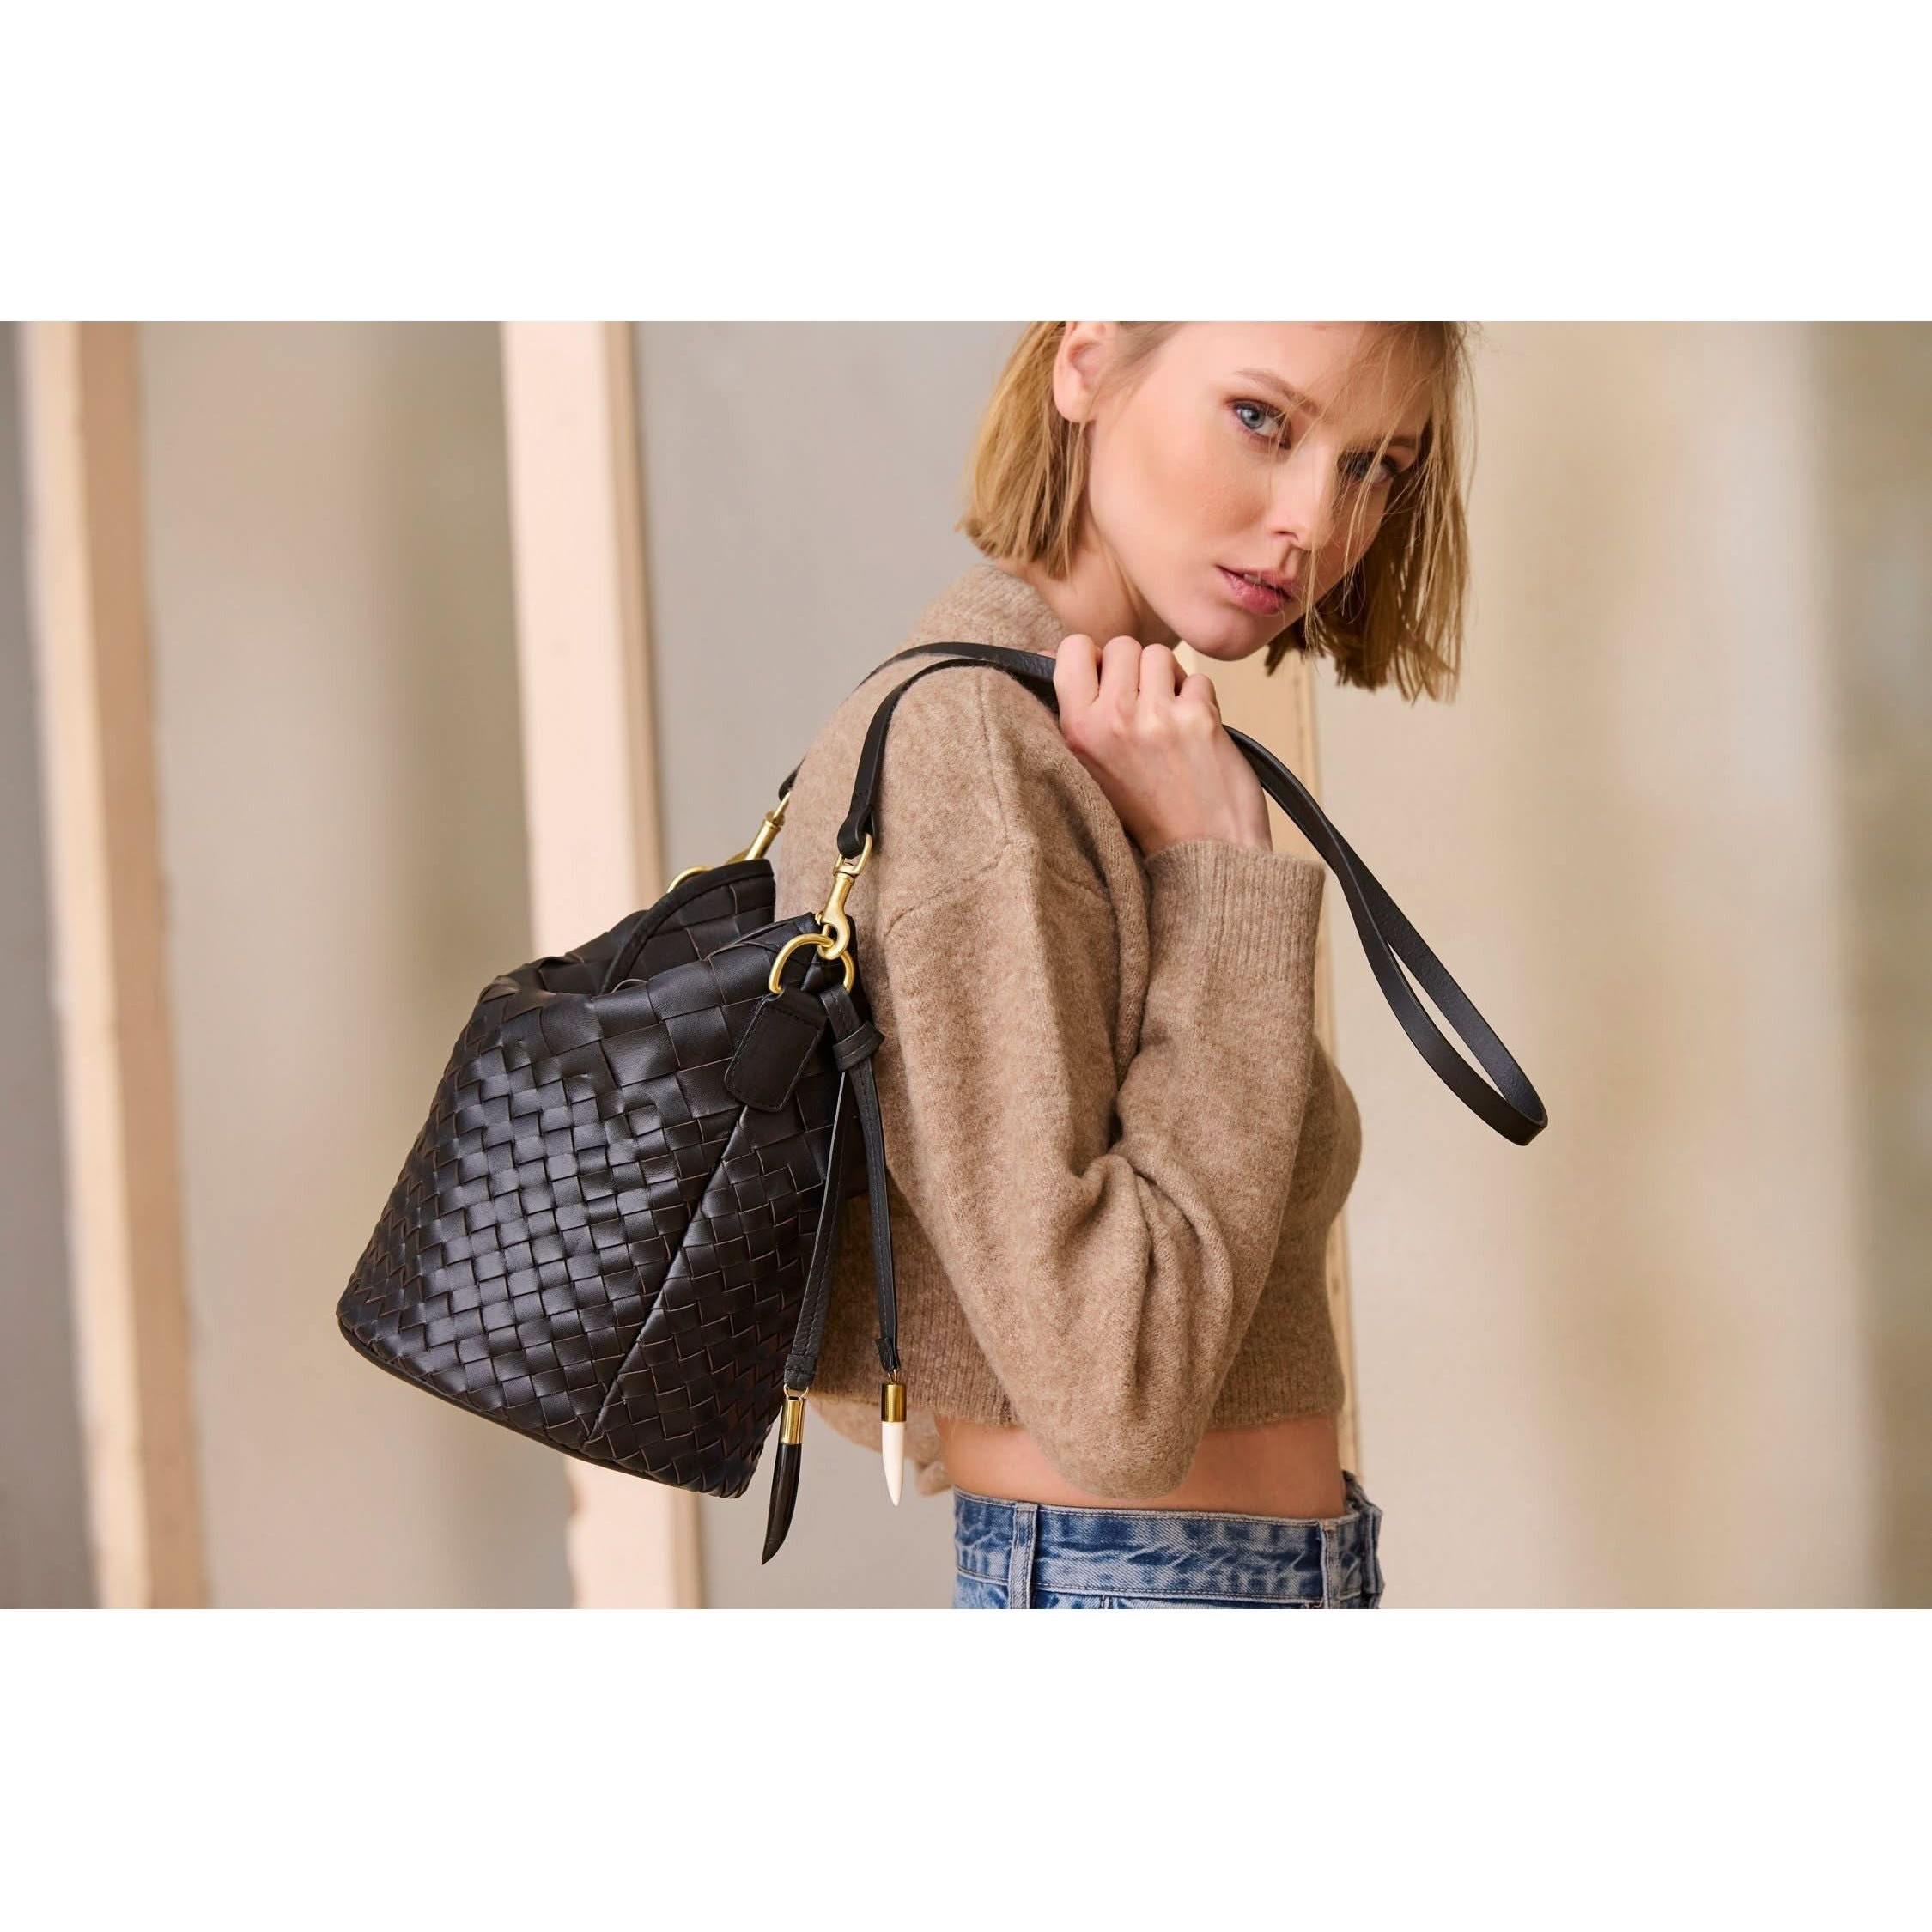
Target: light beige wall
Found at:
1670, 837
1629, 1363
1634, 1363
342, 818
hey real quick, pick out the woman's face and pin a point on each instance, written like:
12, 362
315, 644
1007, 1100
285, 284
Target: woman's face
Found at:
1210, 466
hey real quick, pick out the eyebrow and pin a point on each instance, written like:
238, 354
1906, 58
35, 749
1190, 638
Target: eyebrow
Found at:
1302, 402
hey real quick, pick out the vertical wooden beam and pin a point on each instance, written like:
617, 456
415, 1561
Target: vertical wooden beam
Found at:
80, 384
1280, 711
590, 786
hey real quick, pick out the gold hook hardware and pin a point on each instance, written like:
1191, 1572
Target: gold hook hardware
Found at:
772, 824
832, 918
833, 940
767, 830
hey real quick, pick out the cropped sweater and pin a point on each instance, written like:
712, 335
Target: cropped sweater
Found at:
1114, 1144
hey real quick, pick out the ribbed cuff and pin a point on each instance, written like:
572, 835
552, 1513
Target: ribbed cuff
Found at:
1243, 911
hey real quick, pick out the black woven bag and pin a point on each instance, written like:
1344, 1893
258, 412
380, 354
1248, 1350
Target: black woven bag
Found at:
615, 1232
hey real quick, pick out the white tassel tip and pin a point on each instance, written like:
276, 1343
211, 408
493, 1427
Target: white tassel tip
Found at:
892, 1448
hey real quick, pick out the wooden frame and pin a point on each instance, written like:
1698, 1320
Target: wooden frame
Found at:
107, 913
590, 786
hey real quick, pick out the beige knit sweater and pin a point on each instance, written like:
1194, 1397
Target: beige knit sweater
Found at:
1115, 1144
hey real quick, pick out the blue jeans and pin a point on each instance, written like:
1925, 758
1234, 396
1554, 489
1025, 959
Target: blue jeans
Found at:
1044, 1556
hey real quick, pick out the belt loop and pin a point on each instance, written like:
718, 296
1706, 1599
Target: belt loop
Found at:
1331, 1564
1019, 1558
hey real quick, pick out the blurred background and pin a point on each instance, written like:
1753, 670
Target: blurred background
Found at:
344, 666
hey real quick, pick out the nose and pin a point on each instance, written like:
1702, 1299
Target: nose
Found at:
1306, 499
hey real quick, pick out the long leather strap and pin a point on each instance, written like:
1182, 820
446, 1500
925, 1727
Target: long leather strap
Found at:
1511, 1105
855, 1040
802, 1363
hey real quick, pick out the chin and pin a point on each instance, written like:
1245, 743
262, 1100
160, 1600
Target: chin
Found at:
1227, 637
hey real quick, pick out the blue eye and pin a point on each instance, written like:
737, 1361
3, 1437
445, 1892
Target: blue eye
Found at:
1393, 468
1259, 435
1273, 438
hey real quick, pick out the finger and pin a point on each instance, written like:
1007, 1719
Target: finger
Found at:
1160, 676
1119, 677
1075, 674
1197, 689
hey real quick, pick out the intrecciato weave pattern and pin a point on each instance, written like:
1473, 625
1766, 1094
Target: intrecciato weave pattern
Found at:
592, 1242
615, 1232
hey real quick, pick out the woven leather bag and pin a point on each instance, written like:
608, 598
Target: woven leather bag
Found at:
615, 1231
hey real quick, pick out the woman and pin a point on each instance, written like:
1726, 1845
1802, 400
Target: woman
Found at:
1115, 1145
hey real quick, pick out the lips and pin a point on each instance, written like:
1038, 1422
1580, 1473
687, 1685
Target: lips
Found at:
1263, 599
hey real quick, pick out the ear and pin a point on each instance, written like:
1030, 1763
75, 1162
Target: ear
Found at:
1079, 366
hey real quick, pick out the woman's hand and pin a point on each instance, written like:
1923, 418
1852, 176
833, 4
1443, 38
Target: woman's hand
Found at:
1154, 741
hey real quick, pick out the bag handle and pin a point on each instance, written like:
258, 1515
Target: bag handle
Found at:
1511, 1105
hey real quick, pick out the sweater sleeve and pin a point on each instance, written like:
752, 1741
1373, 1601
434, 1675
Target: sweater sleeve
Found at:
1109, 1237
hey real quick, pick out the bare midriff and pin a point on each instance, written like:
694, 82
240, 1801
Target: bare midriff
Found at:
1287, 1468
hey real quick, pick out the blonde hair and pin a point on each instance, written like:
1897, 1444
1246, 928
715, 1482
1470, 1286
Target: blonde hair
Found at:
1399, 613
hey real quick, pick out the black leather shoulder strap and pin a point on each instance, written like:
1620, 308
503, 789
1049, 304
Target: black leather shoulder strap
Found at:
1510, 1105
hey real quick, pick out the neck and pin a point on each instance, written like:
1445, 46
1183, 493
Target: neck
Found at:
1094, 599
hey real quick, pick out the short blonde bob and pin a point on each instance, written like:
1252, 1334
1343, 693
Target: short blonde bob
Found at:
1398, 614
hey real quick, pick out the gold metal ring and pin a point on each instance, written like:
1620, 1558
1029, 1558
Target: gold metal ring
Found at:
826, 943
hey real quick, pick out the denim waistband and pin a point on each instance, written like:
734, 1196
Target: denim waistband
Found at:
1170, 1553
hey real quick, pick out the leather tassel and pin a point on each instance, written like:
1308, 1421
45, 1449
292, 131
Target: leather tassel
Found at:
785, 1475
892, 1436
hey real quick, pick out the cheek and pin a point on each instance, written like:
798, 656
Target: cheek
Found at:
1351, 546
1167, 485
1223, 486
1156, 481
1330, 575
1199, 487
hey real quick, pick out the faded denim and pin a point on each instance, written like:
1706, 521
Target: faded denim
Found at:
1043, 1556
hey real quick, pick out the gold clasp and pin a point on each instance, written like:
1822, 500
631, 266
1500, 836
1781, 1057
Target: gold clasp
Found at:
834, 940
832, 918
767, 830
772, 823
